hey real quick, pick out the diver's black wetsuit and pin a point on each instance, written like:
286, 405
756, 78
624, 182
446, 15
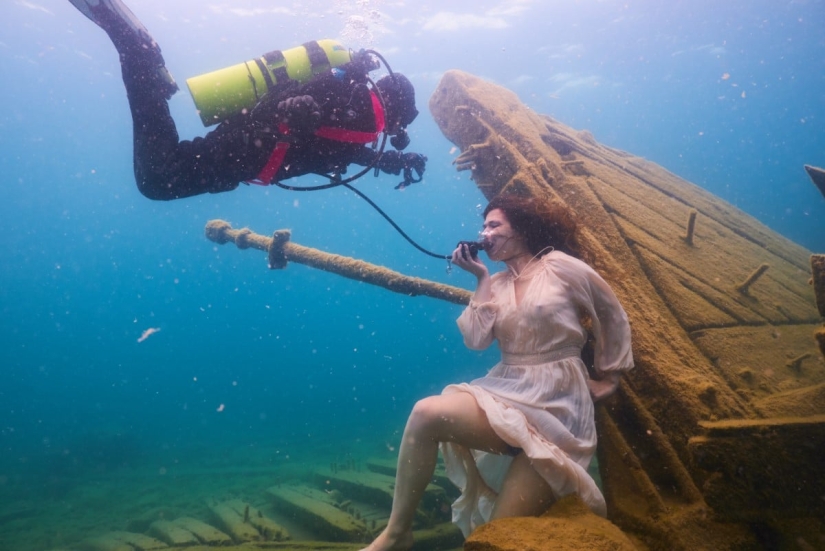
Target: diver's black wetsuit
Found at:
236, 151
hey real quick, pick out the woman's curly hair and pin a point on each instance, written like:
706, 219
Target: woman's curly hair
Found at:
542, 222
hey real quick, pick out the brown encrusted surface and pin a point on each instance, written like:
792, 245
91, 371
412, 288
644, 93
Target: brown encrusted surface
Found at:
819, 335
567, 526
721, 320
764, 360
818, 280
791, 448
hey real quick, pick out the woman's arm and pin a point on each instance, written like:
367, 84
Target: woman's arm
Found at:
613, 353
613, 350
610, 327
604, 387
477, 320
464, 260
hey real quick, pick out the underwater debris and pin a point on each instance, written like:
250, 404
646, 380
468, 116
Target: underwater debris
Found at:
796, 363
148, 333
246, 523
691, 227
745, 286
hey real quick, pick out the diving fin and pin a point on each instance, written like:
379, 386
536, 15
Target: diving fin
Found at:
817, 177
129, 36
114, 17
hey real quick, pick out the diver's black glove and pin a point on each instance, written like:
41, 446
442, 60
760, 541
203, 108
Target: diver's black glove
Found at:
393, 162
301, 113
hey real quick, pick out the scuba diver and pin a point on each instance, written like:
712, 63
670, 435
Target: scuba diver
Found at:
319, 125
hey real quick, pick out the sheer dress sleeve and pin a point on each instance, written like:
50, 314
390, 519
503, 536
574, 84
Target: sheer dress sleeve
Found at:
476, 324
610, 324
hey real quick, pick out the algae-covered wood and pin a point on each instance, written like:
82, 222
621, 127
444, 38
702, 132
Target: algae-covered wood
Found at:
378, 489
205, 533
314, 508
123, 541
172, 534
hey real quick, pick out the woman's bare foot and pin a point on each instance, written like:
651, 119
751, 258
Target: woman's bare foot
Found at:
387, 542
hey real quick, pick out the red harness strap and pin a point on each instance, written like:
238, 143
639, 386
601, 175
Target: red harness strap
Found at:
276, 158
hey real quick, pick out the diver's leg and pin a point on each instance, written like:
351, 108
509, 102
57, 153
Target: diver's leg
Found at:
446, 418
148, 87
155, 136
165, 167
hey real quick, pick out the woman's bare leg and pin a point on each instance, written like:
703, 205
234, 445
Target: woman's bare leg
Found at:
523, 493
447, 418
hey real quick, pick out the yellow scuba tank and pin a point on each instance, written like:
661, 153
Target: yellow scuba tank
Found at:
231, 90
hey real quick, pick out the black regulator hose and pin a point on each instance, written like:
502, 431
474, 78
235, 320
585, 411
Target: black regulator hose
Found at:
396, 226
337, 181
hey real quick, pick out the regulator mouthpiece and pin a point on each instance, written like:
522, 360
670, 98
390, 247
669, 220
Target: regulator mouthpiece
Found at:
473, 247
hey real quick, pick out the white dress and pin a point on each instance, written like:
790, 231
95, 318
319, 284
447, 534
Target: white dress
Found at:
536, 398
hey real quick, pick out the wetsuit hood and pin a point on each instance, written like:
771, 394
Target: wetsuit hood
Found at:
399, 95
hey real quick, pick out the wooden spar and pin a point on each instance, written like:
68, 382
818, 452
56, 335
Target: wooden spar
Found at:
281, 250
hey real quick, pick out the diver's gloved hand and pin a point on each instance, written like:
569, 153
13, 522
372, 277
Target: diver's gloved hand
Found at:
301, 113
393, 162
416, 162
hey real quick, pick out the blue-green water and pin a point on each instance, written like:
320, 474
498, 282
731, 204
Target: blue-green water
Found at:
287, 364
